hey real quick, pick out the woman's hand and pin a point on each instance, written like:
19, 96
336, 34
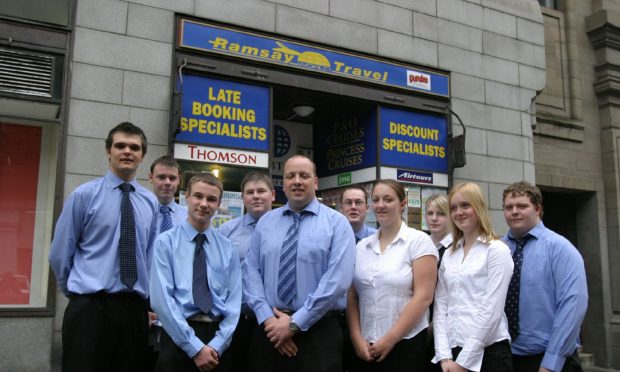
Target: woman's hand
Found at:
362, 347
380, 349
450, 365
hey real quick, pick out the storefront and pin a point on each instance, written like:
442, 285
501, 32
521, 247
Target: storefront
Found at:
248, 100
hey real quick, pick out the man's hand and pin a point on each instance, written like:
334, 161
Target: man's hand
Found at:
288, 348
542, 369
206, 359
277, 328
152, 318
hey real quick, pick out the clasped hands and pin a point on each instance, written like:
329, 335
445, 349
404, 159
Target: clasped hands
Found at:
279, 333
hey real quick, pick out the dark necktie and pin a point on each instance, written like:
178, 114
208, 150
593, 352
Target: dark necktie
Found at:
514, 289
287, 286
200, 283
357, 240
127, 241
166, 221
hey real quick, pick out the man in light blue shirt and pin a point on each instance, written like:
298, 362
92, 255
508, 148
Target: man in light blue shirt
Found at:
299, 312
197, 337
553, 294
105, 323
354, 206
258, 193
165, 176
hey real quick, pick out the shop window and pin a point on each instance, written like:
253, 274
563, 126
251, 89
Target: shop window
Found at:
55, 12
27, 164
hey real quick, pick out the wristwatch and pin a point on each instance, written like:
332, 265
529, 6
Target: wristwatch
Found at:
293, 326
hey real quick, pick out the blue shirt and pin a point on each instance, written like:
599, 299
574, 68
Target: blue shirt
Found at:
178, 215
553, 298
365, 232
240, 231
171, 286
325, 260
84, 253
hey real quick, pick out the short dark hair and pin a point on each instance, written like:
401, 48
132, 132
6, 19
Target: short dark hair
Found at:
524, 188
208, 178
128, 128
257, 176
166, 161
354, 187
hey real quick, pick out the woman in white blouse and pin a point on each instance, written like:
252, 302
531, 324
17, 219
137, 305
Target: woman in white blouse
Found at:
393, 284
471, 331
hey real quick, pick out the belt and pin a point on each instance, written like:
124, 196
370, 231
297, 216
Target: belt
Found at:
204, 318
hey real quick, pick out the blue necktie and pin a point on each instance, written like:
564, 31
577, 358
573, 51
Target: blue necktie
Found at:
127, 241
200, 282
287, 286
514, 289
166, 221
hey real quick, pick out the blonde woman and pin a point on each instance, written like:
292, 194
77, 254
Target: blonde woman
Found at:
471, 331
393, 285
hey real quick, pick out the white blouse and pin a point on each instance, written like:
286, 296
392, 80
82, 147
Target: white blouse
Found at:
469, 301
384, 282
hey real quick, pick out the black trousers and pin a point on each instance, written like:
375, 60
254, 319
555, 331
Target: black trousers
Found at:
319, 350
406, 356
105, 332
240, 344
497, 357
173, 359
531, 363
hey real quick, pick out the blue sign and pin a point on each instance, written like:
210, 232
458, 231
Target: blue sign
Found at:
224, 113
241, 44
413, 140
346, 145
411, 176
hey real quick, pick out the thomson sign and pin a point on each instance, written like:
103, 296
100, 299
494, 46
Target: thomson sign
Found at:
411, 176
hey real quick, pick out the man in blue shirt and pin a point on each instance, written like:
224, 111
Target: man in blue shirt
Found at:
165, 176
258, 193
296, 274
196, 285
354, 205
553, 294
102, 265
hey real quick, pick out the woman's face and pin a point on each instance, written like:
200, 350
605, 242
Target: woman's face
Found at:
386, 205
437, 221
463, 214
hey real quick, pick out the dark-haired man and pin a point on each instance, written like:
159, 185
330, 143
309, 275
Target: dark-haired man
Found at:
100, 255
165, 176
354, 205
548, 295
258, 194
196, 285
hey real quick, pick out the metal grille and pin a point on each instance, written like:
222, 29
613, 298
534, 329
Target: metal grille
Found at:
26, 73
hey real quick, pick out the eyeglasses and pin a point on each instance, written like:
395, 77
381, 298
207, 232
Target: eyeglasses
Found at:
357, 203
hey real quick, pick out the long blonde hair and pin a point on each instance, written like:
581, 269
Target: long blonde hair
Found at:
472, 193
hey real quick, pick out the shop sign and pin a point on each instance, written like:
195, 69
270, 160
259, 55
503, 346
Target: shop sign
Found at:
347, 144
344, 179
284, 52
185, 151
413, 140
415, 177
224, 113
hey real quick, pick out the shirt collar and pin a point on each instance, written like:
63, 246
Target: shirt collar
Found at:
248, 220
172, 205
115, 181
191, 232
312, 207
537, 231
446, 241
403, 233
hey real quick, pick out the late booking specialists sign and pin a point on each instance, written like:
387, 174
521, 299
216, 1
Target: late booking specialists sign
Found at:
413, 140
224, 113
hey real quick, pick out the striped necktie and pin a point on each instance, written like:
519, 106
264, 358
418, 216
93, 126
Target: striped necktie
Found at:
287, 286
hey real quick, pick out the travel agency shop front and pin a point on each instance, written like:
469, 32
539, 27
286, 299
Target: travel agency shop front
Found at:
249, 100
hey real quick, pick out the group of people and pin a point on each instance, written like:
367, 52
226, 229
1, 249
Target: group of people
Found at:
304, 287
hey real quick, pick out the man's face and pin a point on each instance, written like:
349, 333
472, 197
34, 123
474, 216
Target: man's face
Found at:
300, 182
165, 182
202, 202
125, 155
354, 206
521, 214
257, 198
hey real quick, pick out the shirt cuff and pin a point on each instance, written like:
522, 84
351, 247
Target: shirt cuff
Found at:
192, 347
263, 313
217, 344
302, 318
553, 362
